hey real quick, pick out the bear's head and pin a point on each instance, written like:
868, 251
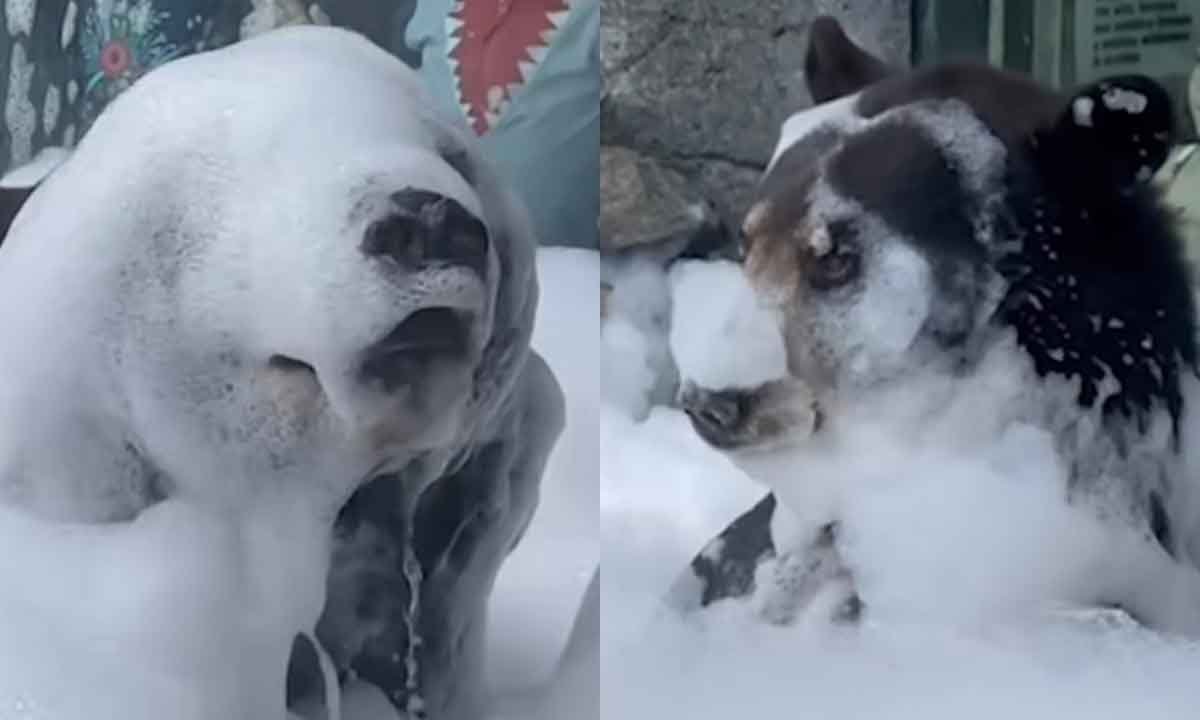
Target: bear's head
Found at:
911, 218
284, 285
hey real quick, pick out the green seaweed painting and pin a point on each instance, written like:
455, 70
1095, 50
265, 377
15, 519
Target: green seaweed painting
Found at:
120, 41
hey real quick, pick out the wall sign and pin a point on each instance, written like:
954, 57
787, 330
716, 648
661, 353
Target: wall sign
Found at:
1155, 38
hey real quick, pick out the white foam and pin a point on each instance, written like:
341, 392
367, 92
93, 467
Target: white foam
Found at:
537, 594
962, 546
836, 113
721, 336
1130, 101
33, 172
954, 554
190, 610
874, 329
179, 608
638, 369
1082, 110
955, 128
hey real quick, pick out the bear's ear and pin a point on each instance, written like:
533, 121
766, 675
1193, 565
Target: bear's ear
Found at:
834, 66
1118, 130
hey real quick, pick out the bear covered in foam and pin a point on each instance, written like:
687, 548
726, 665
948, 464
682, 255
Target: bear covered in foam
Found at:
269, 277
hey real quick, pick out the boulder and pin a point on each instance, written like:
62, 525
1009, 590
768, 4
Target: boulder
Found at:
648, 207
700, 87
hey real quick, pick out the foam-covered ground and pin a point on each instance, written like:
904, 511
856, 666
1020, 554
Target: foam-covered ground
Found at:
961, 564
61, 659
541, 586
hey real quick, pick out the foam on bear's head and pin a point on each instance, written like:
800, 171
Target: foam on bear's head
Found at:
912, 215
271, 284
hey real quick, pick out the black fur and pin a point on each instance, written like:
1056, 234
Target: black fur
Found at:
427, 228
726, 567
453, 520
1159, 524
840, 66
896, 172
1100, 283
1116, 147
1099, 280
462, 524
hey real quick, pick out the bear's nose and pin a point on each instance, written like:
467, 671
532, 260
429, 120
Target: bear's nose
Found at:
714, 415
423, 229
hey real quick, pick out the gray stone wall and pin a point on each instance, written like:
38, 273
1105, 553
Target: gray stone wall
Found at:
695, 91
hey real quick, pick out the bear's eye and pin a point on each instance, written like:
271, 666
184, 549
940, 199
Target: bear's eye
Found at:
833, 269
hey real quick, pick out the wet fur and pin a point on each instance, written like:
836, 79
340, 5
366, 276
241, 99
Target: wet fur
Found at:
145, 328
1046, 247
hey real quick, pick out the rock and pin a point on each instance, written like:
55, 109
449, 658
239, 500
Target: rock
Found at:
648, 207
640, 371
702, 86
695, 92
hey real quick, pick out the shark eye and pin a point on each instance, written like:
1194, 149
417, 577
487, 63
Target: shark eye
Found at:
834, 269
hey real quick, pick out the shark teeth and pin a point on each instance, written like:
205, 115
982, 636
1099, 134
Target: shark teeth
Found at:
495, 97
498, 99
527, 70
453, 36
538, 53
